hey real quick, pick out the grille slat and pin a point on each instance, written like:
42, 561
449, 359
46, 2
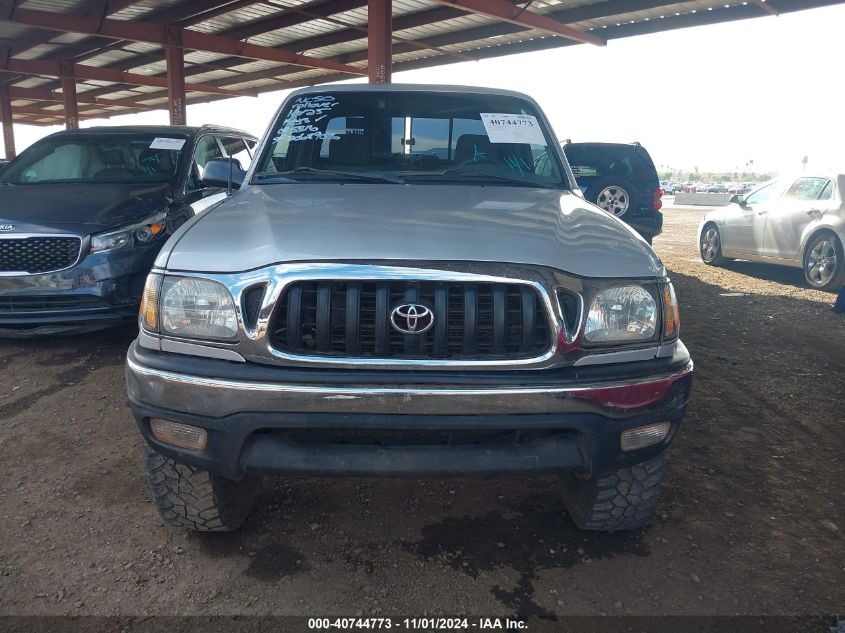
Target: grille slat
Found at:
353, 330
499, 319
324, 317
528, 319
294, 331
441, 325
38, 254
472, 321
382, 338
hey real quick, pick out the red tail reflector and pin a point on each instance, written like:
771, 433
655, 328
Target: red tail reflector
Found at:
657, 203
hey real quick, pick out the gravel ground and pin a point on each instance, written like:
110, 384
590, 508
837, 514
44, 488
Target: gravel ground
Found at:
751, 520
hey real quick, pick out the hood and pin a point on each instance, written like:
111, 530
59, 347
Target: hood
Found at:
269, 224
80, 209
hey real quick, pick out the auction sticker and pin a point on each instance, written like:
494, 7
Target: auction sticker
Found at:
173, 144
513, 128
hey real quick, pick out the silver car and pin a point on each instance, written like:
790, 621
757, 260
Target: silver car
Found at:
797, 222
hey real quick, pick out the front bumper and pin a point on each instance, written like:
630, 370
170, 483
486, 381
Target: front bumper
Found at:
263, 419
103, 290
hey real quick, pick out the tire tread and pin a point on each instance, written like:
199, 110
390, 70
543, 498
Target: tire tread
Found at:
196, 499
623, 500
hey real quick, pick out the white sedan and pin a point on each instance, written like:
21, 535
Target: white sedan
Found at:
797, 222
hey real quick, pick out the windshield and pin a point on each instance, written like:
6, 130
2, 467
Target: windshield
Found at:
92, 158
410, 137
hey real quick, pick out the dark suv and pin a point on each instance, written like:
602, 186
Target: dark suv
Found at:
621, 179
83, 215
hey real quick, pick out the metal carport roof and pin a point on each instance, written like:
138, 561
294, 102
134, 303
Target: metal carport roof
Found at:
114, 54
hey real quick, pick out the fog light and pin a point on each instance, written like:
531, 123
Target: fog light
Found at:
643, 436
181, 435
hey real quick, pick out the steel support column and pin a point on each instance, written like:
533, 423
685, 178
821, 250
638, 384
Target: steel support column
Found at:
380, 41
176, 85
8, 125
71, 105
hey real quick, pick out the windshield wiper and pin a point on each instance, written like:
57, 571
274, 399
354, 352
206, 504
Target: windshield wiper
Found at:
330, 173
471, 173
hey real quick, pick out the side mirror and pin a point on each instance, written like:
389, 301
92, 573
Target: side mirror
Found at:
738, 199
216, 174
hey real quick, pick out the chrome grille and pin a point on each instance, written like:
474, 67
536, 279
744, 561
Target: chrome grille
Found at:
38, 254
352, 319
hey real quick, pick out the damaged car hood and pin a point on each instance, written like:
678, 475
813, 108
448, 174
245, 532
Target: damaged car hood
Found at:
79, 209
272, 224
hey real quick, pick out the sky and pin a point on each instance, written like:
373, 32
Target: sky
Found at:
767, 90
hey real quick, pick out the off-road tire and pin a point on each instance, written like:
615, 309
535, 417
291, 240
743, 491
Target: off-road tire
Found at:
196, 499
624, 500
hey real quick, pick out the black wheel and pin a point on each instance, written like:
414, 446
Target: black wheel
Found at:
615, 195
623, 500
196, 499
710, 245
824, 262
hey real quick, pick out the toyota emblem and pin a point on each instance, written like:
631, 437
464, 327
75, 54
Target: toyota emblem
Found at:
411, 318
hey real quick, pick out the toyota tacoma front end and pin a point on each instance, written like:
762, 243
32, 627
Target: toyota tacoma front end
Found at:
407, 285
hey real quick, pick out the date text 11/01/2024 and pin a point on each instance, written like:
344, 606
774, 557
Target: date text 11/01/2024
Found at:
417, 624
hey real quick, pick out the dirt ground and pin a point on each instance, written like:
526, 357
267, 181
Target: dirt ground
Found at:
752, 519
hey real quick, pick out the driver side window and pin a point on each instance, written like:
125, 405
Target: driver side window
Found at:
207, 149
763, 195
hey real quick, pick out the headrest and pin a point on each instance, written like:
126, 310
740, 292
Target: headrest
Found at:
112, 156
156, 161
350, 149
473, 148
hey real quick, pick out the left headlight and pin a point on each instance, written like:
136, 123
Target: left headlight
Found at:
137, 234
624, 314
197, 308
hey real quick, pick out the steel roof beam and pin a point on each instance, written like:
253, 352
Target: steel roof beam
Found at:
85, 112
39, 94
606, 9
290, 17
183, 15
41, 36
198, 10
165, 35
47, 68
766, 6
507, 12
287, 18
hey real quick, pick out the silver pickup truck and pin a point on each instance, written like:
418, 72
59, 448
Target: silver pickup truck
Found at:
407, 283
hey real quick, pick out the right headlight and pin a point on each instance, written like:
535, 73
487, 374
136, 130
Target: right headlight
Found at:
624, 314
189, 307
135, 235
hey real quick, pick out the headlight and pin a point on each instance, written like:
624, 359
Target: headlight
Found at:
197, 308
624, 314
137, 234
